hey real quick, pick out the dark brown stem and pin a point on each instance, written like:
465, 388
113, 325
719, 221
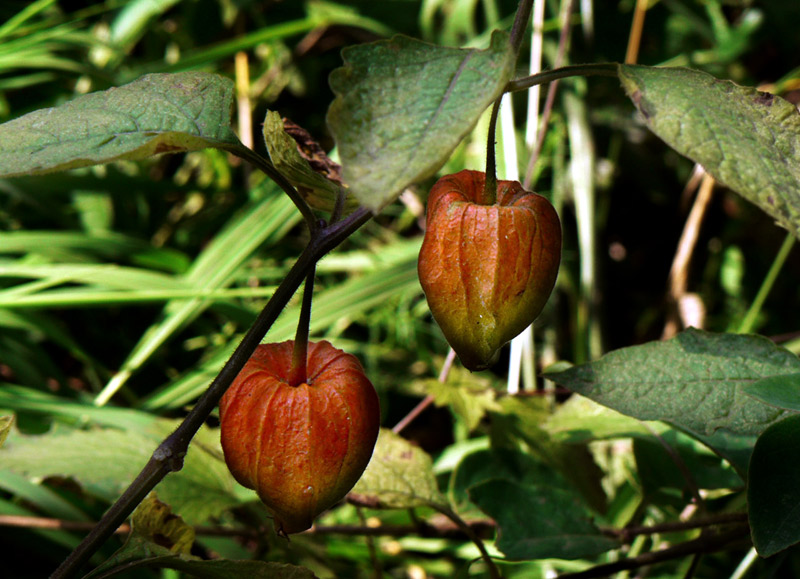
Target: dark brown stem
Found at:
704, 544
269, 169
299, 371
521, 20
523, 15
168, 457
627, 534
608, 69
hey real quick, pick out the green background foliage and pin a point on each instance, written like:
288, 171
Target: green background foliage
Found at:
124, 286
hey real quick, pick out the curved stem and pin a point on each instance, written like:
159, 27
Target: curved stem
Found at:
494, 572
168, 457
755, 308
609, 69
270, 171
298, 373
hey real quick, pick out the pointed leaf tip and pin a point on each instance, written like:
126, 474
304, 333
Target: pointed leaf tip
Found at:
158, 113
745, 138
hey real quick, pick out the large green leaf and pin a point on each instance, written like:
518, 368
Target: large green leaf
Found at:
695, 381
773, 488
403, 105
745, 138
104, 461
539, 522
158, 113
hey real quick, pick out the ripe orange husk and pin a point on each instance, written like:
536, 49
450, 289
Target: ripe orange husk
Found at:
302, 448
487, 270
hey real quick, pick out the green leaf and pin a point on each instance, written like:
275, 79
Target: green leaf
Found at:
403, 105
735, 448
539, 522
501, 463
202, 489
521, 422
318, 191
745, 138
778, 391
158, 113
399, 476
5, 427
657, 469
580, 420
469, 396
694, 381
773, 488
154, 521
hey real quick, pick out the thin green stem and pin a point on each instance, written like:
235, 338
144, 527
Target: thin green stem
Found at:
168, 457
338, 207
609, 69
755, 308
299, 371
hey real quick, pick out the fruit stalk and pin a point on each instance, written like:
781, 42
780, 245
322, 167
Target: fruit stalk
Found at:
298, 374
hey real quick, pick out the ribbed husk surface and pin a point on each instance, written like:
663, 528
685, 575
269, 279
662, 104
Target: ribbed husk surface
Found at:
487, 270
302, 448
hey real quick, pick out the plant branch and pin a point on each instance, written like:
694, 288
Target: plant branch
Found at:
494, 572
541, 132
703, 544
270, 171
521, 19
609, 69
168, 457
628, 533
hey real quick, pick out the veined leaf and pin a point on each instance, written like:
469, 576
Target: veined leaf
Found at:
202, 489
158, 113
745, 138
695, 381
539, 522
402, 106
399, 476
